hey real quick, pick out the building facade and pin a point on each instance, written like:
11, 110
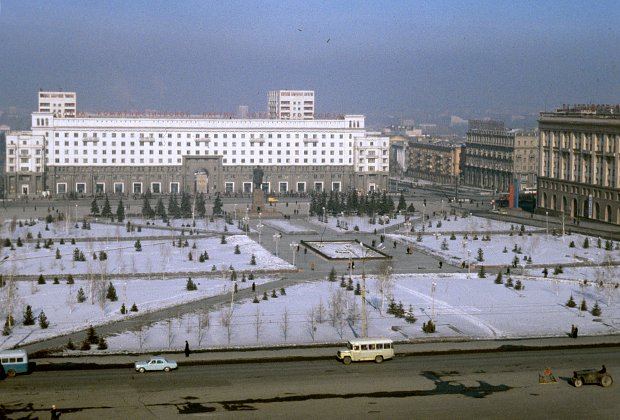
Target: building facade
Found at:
60, 104
116, 153
291, 104
579, 173
436, 161
495, 156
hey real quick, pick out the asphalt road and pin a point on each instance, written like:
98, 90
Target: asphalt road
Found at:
449, 386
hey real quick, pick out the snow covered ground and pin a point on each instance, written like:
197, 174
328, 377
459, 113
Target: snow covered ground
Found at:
317, 311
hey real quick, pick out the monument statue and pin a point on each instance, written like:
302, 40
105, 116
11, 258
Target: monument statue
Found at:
257, 177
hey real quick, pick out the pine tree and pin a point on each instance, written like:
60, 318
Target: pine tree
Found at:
571, 302
94, 208
123, 309
160, 209
358, 289
255, 299
58, 256
138, 245
133, 308
111, 293
43, 322
173, 207
200, 206
583, 306
70, 345
102, 345
56, 281
186, 206
428, 327
81, 297
91, 335
217, 205
28, 316
402, 203
265, 296
41, 279
147, 210
273, 293
85, 345
106, 211
596, 310
498, 279
237, 250
190, 285
282, 291
480, 255
482, 273
332, 274
253, 260
70, 279
586, 243
120, 212
251, 276
223, 240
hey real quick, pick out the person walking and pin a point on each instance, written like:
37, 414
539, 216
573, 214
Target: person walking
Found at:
54, 414
186, 349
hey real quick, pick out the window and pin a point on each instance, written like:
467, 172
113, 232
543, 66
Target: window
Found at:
61, 188
283, 187
174, 188
156, 187
229, 187
80, 188
137, 188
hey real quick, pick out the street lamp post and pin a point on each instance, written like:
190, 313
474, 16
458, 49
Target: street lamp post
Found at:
235, 213
547, 221
433, 287
246, 224
276, 238
294, 246
468, 264
259, 227
323, 215
364, 326
76, 211
385, 219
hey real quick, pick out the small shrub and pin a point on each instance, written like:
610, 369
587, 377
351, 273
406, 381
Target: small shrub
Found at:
43, 322
428, 327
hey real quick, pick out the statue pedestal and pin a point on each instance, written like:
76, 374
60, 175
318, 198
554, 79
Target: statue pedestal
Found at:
258, 201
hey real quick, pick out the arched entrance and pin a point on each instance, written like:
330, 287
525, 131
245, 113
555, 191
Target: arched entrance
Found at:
201, 181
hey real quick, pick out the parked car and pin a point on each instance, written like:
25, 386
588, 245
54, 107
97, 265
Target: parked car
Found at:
155, 363
592, 376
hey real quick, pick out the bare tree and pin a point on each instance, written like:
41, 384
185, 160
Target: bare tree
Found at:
312, 321
321, 312
258, 320
204, 322
226, 317
170, 333
353, 313
285, 324
70, 301
384, 283
336, 306
141, 335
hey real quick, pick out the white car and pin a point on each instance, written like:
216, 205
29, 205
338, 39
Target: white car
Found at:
155, 363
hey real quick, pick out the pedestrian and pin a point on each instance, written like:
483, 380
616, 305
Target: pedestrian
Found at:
394, 244
253, 286
186, 349
575, 332
440, 264
572, 331
54, 414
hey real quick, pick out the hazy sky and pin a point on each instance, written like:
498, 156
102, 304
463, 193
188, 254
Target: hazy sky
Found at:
371, 57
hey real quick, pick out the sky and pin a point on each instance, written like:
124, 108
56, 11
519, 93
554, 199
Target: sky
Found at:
379, 58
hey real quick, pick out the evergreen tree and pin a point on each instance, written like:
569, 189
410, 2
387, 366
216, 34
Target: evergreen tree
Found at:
200, 206
81, 297
111, 293
410, 208
102, 345
94, 208
482, 273
498, 279
217, 205
265, 296
85, 345
586, 243
91, 335
160, 210
358, 289
186, 206
596, 310
571, 302
332, 274
106, 211
43, 322
583, 306
138, 245
223, 240
237, 250
190, 285
58, 256
70, 279
253, 260
147, 210
28, 316
41, 279
480, 255
173, 207
402, 203
70, 345
120, 212
133, 308
123, 309
428, 327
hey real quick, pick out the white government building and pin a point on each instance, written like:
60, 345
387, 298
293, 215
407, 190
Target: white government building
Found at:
70, 152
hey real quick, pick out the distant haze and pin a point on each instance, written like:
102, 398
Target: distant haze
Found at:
380, 58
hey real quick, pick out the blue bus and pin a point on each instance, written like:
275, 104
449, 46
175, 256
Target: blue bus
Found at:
13, 362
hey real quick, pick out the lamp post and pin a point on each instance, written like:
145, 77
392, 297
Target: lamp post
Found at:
76, 211
407, 226
547, 221
468, 264
246, 224
294, 246
276, 238
323, 215
433, 287
364, 326
442, 207
385, 219
259, 227
235, 213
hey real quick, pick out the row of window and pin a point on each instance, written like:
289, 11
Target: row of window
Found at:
95, 135
178, 161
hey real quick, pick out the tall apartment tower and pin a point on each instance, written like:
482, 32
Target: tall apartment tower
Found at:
291, 104
579, 173
61, 104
